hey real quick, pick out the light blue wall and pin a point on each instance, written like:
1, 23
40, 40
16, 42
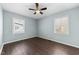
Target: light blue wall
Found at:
46, 28
1, 26
30, 27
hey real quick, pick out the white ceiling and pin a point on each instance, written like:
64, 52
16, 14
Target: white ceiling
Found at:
22, 8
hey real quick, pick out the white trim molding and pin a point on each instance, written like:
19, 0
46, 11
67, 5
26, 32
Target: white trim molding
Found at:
76, 46
1, 48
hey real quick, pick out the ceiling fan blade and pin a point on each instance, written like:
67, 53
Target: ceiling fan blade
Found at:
31, 9
44, 8
37, 4
41, 12
34, 12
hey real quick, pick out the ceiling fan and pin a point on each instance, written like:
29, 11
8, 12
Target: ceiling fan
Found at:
38, 10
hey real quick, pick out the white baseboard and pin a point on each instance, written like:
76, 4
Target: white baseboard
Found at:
59, 42
43, 38
12, 42
18, 40
1, 49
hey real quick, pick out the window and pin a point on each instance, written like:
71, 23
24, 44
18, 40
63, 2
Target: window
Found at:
18, 26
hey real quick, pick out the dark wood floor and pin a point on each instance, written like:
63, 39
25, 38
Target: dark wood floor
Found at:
38, 46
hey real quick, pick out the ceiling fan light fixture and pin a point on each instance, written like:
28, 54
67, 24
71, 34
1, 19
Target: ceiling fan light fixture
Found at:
37, 11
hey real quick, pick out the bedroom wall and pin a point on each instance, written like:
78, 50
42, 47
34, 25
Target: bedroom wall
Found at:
30, 27
46, 28
1, 26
